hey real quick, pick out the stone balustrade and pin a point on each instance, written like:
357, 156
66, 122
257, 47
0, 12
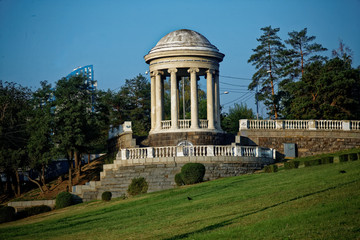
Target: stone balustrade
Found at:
183, 124
346, 125
197, 151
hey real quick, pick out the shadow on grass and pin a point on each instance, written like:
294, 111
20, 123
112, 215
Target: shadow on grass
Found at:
230, 221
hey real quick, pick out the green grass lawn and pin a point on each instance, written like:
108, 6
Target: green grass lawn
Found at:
316, 202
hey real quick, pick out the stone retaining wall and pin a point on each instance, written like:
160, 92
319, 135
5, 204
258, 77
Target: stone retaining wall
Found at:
21, 205
307, 142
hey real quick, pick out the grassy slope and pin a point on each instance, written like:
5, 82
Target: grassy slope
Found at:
308, 203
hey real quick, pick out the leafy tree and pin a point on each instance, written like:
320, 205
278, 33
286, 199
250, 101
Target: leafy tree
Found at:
40, 126
73, 119
302, 51
326, 91
14, 111
135, 95
268, 60
230, 122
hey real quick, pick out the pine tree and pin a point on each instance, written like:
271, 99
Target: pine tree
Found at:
268, 60
302, 51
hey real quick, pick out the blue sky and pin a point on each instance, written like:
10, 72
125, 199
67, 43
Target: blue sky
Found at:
45, 39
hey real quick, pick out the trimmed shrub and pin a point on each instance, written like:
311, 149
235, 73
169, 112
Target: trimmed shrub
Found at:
314, 162
63, 199
291, 164
137, 186
7, 214
343, 158
178, 179
106, 196
326, 160
270, 168
37, 210
353, 156
192, 173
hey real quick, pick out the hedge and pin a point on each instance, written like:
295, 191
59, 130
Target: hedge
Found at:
314, 162
353, 156
291, 164
106, 196
192, 173
344, 158
137, 186
270, 168
326, 160
7, 214
63, 199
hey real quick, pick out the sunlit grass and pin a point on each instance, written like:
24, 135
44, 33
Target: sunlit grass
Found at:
308, 203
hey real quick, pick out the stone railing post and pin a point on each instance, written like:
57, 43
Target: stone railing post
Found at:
150, 152
243, 124
346, 125
210, 151
312, 125
257, 152
124, 154
127, 126
179, 151
279, 124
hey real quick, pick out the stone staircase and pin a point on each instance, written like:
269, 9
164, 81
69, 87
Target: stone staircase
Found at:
160, 173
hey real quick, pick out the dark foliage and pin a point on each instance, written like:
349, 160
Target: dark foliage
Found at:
63, 199
344, 158
326, 160
106, 196
192, 173
314, 162
37, 210
178, 179
7, 214
270, 168
137, 186
353, 156
291, 164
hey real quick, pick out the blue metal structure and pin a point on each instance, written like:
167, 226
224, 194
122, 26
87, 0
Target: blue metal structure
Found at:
88, 72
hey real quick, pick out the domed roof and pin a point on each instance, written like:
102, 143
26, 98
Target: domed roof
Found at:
183, 39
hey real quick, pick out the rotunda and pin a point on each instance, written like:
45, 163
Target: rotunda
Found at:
179, 54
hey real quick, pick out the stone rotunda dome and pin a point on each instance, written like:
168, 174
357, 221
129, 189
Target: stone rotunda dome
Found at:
184, 39
183, 42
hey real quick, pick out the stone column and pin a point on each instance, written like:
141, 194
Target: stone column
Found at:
153, 102
194, 98
159, 103
217, 101
174, 98
210, 98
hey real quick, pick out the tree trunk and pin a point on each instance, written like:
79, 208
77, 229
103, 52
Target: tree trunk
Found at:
15, 183
88, 158
42, 177
37, 183
71, 154
272, 85
70, 179
77, 166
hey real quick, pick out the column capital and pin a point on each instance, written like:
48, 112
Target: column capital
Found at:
193, 70
212, 71
157, 72
172, 70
